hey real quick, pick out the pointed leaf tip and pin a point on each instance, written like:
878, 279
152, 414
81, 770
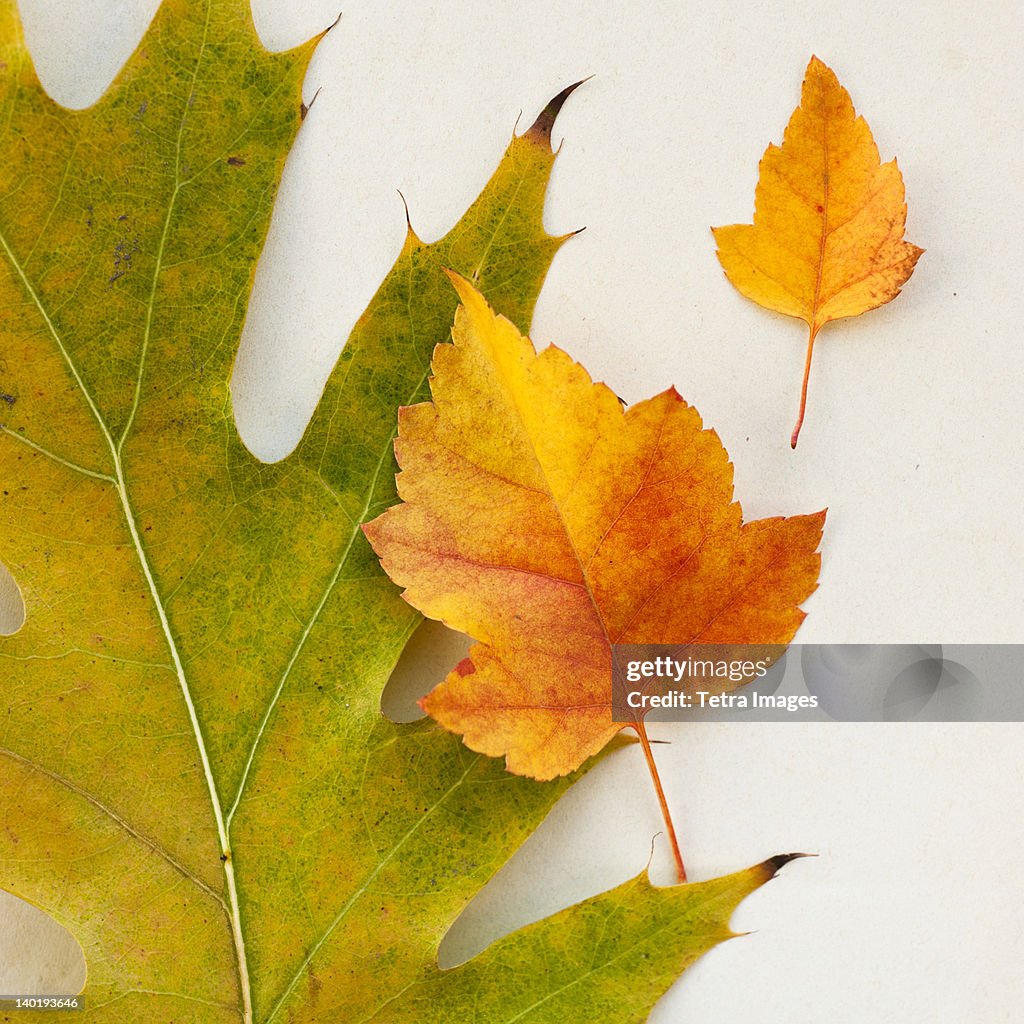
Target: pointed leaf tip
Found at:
411, 238
540, 130
469, 296
773, 865
333, 25
305, 108
817, 67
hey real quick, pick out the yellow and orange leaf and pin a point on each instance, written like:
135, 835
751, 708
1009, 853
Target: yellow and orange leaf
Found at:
548, 523
827, 238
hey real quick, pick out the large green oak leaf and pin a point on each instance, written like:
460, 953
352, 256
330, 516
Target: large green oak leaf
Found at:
195, 776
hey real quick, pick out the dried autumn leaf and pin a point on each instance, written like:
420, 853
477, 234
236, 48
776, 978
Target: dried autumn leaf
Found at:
195, 776
549, 523
827, 238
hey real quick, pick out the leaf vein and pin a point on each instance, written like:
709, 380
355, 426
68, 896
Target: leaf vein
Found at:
123, 822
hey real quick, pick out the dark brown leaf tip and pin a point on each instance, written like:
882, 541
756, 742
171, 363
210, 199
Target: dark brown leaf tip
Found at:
540, 130
333, 25
412, 240
305, 108
773, 865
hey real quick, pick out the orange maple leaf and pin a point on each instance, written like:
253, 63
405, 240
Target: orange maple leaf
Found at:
548, 523
827, 238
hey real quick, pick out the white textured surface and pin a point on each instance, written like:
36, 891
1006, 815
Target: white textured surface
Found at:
912, 439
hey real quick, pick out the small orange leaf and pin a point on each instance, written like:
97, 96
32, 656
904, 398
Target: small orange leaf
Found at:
548, 523
827, 238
